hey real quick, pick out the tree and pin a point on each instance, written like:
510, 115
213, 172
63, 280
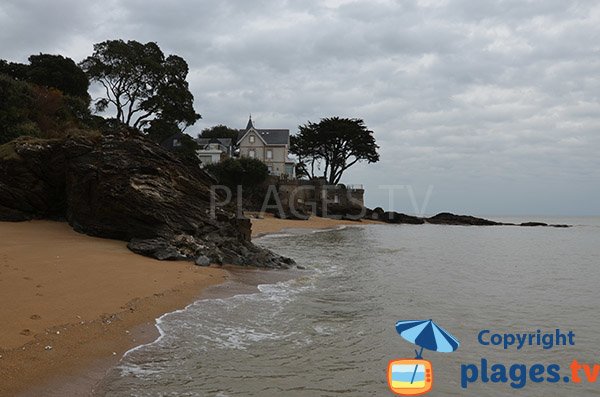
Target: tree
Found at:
141, 84
334, 143
56, 71
160, 129
50, 71
246, 172
16, 104
17, 71
30, 109
219, 131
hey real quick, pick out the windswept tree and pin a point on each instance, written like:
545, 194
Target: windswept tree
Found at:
332, 146
141, 84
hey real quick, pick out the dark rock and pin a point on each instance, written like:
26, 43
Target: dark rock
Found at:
533, 224
397, 217
125, 187
350, 211
373, 214
158, 248
202, 260
543, 224
446, 218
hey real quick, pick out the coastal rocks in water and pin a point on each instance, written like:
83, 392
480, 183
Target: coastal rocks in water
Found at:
348, 211
120, 185
446, 218
397, 217
374, 214
533, 224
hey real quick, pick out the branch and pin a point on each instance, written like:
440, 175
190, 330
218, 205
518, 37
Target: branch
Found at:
142, 118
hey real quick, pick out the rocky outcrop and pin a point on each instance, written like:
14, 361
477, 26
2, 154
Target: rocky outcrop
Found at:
348, 211
446, 218
533, 224
120, 185
443, 218
374, 214
398, 217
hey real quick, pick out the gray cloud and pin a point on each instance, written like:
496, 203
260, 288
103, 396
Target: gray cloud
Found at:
494, 103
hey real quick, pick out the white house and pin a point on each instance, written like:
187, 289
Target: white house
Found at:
213, 150
269, 146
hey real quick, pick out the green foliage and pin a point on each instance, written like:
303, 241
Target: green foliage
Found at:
336, 143
16, 103
159, 130
187, 151
53, 79
219, 131
246, 172
17, 71
141, 84
31, 110
56, 71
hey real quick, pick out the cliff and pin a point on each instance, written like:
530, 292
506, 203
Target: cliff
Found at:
119, 185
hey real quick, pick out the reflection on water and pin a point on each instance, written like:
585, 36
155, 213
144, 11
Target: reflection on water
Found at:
330, 331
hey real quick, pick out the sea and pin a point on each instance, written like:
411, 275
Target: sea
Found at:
329, 330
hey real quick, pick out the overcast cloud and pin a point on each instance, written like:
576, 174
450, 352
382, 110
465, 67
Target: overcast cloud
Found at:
493, 103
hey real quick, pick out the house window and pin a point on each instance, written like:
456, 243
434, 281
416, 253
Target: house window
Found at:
269, 154
251, 154
251, 138
270, 167
176, 142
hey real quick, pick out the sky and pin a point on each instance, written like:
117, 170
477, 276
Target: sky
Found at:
479, 107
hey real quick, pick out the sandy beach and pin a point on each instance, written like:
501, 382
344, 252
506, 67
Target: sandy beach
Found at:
70, 301
73, 304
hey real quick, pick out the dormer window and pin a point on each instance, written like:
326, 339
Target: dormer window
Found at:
251, 138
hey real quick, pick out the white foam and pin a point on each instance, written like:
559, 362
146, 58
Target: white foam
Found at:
330, 229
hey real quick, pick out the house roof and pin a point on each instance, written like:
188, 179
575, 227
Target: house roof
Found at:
205, 141
270, 136
274, 137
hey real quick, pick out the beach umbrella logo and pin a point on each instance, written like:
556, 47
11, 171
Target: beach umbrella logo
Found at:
412, 377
